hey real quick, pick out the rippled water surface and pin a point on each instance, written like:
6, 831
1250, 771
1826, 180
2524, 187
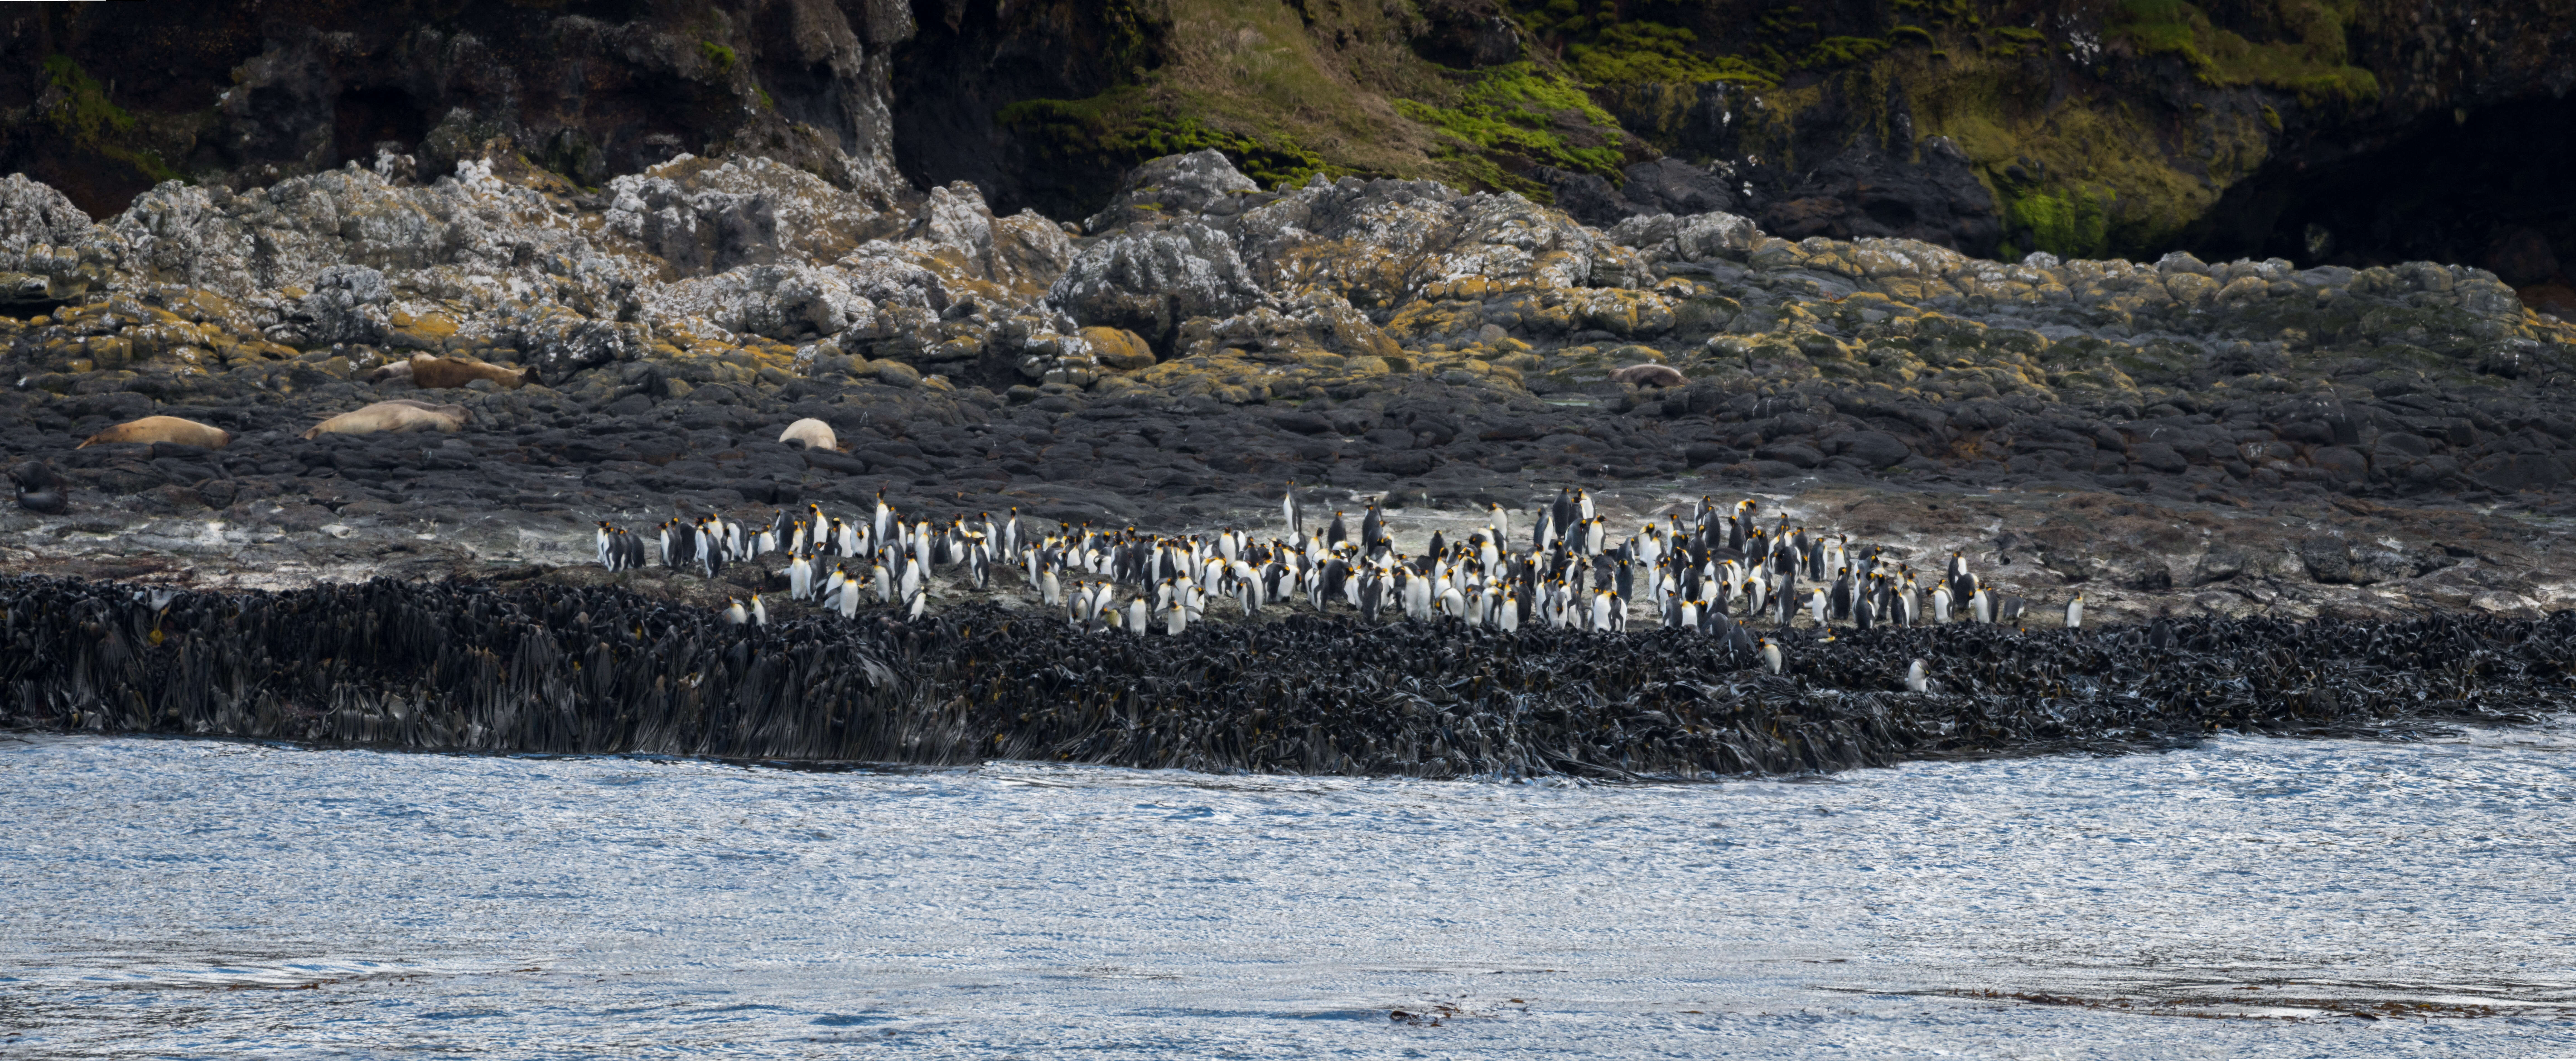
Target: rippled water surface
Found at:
2249, 897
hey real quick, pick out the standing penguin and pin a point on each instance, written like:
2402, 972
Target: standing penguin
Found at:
2075, 612
1771, 661
849, 589
759, 614
1915, 679
1337, 533
710, 549
671, 544
1291, 511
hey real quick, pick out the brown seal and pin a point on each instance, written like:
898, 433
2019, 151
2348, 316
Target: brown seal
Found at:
400, 414
1649, 375
434, 373
814, 433
162, 429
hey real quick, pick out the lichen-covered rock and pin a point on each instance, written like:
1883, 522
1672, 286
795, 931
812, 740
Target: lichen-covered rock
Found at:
1150, 282
701, 215
1666, 238
1201, 182
558, 343
1118, 348
786, 302
346, 305
33, 214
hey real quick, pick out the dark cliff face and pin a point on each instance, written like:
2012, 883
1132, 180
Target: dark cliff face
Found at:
968, 62
103, 102
2350, 132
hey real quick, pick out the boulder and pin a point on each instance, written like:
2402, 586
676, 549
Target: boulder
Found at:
1118, 348
1174, 186
1149, 282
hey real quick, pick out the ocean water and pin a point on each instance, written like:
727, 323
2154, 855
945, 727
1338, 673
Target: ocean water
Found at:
2248, 897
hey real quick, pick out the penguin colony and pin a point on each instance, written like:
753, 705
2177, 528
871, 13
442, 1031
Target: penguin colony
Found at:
550, 669
1697, 574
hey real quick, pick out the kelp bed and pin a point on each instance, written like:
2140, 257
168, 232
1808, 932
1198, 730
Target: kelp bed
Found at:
536, 668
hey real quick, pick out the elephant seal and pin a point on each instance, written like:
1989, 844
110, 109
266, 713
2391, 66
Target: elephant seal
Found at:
434, 373
398, 415
1649, 375
162, 429
814, 433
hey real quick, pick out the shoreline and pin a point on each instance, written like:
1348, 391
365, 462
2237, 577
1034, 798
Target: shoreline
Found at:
544, 669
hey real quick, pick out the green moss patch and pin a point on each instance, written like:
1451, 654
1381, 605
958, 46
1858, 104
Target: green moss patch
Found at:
93, 122
2310, 62
2070, 224
1524, 115
1122, 128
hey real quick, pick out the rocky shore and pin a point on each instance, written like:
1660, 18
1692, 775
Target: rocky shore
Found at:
455, 667
2177, 438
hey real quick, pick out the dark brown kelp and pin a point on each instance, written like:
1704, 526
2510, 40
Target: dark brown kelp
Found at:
547, 669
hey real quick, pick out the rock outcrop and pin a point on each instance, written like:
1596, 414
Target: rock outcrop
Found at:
1204, 341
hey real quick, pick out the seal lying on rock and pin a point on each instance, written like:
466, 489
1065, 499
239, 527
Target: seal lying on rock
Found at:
400, 414
39, 488
434, 373
1649, 375
162, 429
814, 433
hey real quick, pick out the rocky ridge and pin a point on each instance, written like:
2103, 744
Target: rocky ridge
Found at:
1176, 357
